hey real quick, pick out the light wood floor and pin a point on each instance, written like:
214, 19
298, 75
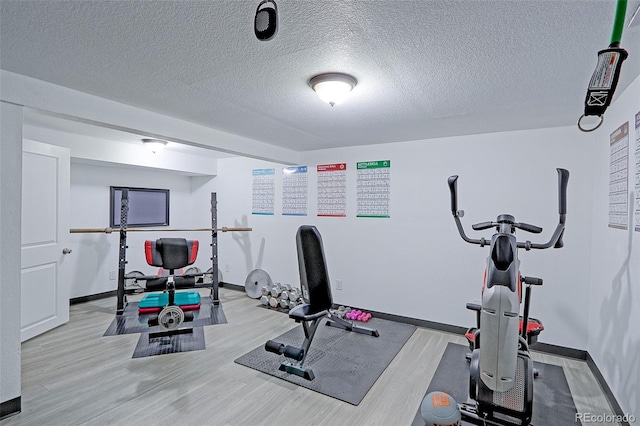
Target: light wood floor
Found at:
73, 375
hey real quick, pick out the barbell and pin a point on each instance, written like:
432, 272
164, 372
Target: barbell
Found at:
111, 230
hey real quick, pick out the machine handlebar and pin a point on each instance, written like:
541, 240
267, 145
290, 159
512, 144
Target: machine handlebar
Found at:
483, 225
563, 180
524, 226
453, 188
555, 240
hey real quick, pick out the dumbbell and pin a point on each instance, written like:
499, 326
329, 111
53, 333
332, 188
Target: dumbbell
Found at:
352, 315
340, 312
364, 317
265, 290
294, 293
284, 295
276, 290
274, 301
292, 304
286, 287
264, 300
284, 304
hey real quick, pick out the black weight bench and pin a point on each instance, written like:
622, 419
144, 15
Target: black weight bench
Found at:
316, 292
171, 254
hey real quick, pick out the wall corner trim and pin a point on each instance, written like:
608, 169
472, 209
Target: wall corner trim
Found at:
617, 410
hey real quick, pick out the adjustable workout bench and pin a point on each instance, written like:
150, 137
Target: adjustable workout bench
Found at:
316, 292
171, 254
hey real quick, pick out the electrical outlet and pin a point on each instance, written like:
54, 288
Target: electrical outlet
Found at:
338, 284
112, 275
226, 267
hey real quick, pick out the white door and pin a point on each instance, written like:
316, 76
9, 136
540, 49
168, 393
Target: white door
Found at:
45, 230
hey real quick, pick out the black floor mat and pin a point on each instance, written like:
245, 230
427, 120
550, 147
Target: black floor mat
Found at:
552, 400
150, 346
345, 364
133, 322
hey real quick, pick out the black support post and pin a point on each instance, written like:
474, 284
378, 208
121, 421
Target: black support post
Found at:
122, 254
214, 249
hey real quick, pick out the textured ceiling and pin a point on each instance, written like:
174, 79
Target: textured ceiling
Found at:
424, 68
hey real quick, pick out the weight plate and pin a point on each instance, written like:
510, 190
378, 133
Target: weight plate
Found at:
131, 281
208, 276
170, 317
192, 270
255, 281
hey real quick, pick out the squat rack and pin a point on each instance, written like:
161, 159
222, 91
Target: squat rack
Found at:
122, 251
122, 255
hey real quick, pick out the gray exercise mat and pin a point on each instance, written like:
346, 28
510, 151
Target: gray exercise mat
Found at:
131, 321
345, 364
552, 400
151, 346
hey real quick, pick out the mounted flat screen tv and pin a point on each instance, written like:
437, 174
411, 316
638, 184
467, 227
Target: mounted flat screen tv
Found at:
147, 207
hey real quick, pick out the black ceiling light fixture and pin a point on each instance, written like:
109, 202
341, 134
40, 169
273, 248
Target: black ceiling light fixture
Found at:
265, 23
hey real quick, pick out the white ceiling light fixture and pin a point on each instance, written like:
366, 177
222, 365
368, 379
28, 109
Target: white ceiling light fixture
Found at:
334, 87
154, 145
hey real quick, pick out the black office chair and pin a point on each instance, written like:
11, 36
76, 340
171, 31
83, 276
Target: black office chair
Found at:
316, 292
169, 254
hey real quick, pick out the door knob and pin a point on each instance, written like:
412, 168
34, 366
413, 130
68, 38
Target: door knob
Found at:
66, 250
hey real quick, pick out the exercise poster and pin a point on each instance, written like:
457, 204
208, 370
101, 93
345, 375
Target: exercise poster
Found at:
373, 188
264, 191
637, 174
332, 190
294, 191
618, 177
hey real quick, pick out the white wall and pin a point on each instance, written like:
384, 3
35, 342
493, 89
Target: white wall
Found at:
415, 264
614, 308
120, 154
95, 255
10, 219
268, 245
98, 164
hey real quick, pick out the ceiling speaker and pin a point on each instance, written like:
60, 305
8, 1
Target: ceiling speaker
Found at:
265, 24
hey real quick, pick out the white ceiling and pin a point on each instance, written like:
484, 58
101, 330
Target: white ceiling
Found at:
425, 68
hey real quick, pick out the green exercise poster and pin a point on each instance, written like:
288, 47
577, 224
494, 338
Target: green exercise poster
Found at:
373, 188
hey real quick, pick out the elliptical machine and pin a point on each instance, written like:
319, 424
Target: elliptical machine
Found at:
501, 370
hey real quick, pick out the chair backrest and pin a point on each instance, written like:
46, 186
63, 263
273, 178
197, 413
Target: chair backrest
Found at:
171, 253
314, 277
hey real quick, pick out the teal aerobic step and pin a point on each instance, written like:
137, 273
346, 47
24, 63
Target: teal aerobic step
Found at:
160, 300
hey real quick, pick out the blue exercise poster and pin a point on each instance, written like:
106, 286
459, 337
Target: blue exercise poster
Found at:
264, 191
294, 191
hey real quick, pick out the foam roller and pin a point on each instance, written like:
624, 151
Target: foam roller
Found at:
293, 352
273, 346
